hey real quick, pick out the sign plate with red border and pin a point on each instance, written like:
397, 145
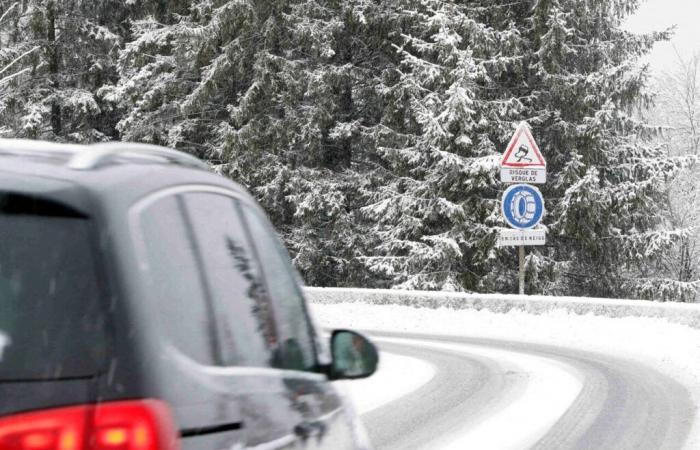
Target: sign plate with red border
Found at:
523, 162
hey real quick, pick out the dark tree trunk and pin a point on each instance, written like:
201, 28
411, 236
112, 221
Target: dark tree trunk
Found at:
54, 59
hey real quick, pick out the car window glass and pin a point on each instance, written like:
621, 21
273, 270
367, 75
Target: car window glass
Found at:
247, 327
175, 282
51, 321
293, 327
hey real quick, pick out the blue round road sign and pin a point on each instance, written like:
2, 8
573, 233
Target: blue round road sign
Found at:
522, 206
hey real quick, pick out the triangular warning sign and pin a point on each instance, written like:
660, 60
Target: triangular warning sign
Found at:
522, 151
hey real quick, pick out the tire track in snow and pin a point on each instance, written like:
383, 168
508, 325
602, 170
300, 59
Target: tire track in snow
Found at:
622, 404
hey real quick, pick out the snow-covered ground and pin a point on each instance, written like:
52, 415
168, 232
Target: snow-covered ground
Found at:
529, 410
671, 349
680, 313
399, 375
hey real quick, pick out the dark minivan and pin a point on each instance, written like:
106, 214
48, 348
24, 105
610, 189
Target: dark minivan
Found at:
147, 304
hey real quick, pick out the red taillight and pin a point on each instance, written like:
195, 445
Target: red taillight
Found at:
58, 429
135, 425
127, 425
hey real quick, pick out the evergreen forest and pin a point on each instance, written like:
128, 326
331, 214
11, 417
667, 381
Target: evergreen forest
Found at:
371, 131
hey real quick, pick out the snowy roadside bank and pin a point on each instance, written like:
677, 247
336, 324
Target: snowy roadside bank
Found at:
389, 383
678, 313
669, 348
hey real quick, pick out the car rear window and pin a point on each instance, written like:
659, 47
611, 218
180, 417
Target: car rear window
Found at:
50, 322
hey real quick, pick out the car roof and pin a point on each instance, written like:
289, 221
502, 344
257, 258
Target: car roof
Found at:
119, 172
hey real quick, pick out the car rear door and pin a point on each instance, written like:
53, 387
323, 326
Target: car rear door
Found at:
179, 324
246, 328
321, 422
269, 352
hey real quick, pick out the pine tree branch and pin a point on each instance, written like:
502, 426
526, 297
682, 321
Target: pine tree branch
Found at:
14, 75
8, 11
7, 67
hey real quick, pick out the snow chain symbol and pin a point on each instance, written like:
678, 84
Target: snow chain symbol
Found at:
522, 206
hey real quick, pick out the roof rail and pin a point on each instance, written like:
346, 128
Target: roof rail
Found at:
90, 157
37, 148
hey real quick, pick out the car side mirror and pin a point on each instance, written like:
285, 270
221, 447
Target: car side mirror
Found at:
354, 356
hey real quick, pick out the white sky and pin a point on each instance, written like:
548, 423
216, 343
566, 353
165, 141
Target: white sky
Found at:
656, 15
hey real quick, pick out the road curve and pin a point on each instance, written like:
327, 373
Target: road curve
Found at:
622, 405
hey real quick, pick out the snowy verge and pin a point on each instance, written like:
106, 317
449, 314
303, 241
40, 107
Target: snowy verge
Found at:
679, 313
389, 383
671, 349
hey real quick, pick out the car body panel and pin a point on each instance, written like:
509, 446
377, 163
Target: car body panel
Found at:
214, 407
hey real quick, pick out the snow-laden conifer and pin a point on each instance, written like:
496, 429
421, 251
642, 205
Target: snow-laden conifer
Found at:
58, 55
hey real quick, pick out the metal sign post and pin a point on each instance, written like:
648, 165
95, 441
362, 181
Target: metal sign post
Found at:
522, 205
521, 270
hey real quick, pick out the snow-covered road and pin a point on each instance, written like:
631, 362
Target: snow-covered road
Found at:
495, 395
470, 384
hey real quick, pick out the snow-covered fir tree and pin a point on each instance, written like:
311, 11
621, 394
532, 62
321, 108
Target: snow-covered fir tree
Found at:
606, 190
436, 211
468, 73
264, 90
677, 112
60, 52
